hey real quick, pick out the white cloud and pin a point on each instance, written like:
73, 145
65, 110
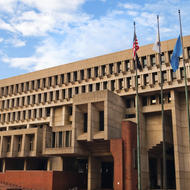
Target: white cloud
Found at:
132, 13
83, 35
94, 38
130, 6
7, 5
15, 42
6, 26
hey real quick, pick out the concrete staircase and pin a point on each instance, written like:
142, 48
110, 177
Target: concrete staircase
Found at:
6, 186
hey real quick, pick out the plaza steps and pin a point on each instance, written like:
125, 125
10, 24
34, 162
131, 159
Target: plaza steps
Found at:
6, 186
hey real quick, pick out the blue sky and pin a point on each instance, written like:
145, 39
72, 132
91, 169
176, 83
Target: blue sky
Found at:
36, 34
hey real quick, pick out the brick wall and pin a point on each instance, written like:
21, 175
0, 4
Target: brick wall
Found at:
125, 175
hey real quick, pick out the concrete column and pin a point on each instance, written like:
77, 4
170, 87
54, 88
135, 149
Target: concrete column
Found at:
180, 139
4, 165
144, 152
49, 165
94, 175
123, 67
25, 165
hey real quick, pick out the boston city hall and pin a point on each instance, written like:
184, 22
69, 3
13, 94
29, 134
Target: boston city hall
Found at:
74, 126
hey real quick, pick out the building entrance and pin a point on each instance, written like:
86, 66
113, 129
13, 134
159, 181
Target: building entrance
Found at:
107, 175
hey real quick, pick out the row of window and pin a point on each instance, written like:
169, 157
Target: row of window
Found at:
149, 100
25, 115
61, 139
90, 73
18, 139
118, 84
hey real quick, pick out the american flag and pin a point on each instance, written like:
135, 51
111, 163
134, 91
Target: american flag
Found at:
135, 56
135, 45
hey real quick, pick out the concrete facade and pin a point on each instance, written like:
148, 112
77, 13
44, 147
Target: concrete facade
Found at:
66, 118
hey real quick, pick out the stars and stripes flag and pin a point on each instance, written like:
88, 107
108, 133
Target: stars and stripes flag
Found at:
135, 49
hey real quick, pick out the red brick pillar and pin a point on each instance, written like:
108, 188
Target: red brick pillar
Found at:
129, 137
116, 148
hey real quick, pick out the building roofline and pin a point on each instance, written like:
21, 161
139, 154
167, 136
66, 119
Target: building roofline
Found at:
94, 61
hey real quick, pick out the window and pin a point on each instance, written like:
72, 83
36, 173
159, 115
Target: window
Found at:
188, 52
88, 73
162, 58
70, 92
29, 114
128, 103
101, 120
127, 65
111, 68
62, 79
38, 83
153, 100
35, 113
85, 122
144, 61
33, 99
68, 139
39, 98
173, 74
75, 76
113, 85
8, 144
82, 74
63, 93
28, 100
83, 89
68, 77
182, 72
105, 85
146, 81
56, 79
103, 70
51, 96
53, 140
47, 112
144, 101
120, 84
57, 94
19, 143
170, 55
31, 142
128, 82
97, 86
96, 71
45, 97
40, 112
76, 90
152, 60
60, 139
90, 87
155, 77
118, 67
164, 77
24, 115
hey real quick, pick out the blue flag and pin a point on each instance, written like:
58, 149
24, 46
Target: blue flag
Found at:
176, 54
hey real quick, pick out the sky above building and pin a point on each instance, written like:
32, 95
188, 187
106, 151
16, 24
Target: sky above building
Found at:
37, 34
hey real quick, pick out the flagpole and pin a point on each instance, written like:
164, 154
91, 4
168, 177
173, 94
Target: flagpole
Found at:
164, 184
185, 76
137, 116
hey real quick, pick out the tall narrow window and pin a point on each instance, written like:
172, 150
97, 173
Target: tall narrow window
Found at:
101, 120
68, 139
60, 139
85, 125
53, 140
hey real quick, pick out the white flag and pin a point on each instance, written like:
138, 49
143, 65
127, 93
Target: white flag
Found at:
156, 46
